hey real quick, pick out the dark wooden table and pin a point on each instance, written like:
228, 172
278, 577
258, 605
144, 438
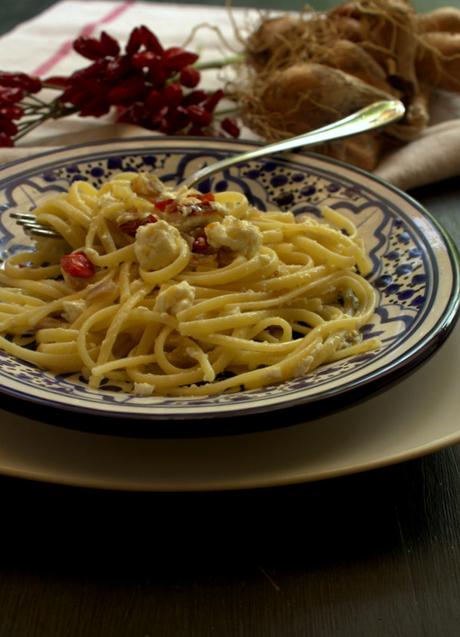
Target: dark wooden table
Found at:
371, 554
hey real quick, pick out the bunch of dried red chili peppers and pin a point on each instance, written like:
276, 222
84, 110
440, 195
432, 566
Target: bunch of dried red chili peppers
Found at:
144, 84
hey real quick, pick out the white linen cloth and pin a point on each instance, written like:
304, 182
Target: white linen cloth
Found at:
43, 46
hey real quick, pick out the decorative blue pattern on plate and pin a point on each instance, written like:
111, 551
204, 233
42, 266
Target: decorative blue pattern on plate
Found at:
416, 309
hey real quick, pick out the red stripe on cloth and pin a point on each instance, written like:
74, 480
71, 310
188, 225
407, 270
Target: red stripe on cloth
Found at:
66, 47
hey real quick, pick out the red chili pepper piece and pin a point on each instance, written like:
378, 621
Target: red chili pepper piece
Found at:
176, 118
89, 48
117, 69
176, 58
74, 95
130, 227
32, 84
95, 107
194, 97
154, 63
173, 94
96, 70
166, 205
198, 115
157, 72
109, 45
154, 101
10, 95
128, 91
196, 131
8, 127
230, 127
11, 112
205, 206
212, 101
189, 76
78, 265
135, 41
5, 140
200, 244
135, 114
158, 122
27, 83
150, 41
143, 59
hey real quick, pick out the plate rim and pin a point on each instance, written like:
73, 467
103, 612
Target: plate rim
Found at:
105, 484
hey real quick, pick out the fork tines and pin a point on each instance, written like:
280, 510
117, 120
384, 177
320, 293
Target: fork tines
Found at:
31, 225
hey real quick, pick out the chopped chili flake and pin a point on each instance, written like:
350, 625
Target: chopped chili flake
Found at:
166, 205
200, 244
130, 227
205, 206
206, 196
77, 264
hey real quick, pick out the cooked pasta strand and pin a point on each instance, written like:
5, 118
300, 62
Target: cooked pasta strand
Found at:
184, 294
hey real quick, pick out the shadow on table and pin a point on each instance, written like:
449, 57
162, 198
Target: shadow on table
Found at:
375, 553
361, 517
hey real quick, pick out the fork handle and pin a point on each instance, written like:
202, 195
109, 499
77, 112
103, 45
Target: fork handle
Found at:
368, 118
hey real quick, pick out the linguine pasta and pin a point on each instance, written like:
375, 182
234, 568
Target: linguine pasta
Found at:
184, 294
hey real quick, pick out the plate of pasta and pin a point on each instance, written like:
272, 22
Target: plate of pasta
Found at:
287, 282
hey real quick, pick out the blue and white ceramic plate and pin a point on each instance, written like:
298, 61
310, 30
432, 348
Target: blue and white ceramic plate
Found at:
416, 269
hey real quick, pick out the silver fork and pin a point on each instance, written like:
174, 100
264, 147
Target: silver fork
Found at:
366, 119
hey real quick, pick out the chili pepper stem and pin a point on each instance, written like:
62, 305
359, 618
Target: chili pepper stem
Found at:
232, 110
37, 100
217, 64
50, 85
29, 127
55, 111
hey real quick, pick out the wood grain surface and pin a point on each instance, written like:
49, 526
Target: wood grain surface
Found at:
372, 554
